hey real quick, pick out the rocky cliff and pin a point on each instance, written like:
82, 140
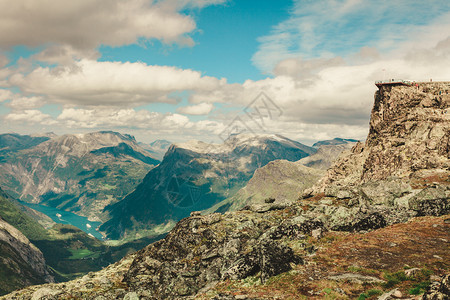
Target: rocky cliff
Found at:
408, 138
21, 263
363, 232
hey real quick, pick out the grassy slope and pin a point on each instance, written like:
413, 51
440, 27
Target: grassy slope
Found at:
11, 213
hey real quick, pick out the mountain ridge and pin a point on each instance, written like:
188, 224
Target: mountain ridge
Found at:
210, 171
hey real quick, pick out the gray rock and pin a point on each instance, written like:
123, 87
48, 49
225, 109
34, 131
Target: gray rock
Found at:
438, 289
412, 272
431, 202
45, 293
393, 294
355, 278
131, 296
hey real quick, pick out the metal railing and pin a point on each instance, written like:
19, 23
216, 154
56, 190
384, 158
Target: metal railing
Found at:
393, 81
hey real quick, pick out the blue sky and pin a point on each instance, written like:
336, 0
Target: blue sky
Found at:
225, 41
184, 69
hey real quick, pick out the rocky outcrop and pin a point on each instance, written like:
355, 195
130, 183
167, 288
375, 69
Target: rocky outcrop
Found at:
198, 252
408, 138
104, 284
404, 163
438, 289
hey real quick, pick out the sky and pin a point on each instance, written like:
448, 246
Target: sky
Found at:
204, 69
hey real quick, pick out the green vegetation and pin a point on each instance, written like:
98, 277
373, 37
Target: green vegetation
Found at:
12, 214
419, 288
393, 279
83, 253
370, 293
67, 250
355, 269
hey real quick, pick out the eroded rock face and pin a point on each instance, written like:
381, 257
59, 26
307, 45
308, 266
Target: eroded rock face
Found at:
403, 168
408, 138
201, 250
20, 257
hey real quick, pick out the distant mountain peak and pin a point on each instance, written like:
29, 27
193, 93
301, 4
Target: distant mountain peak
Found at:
241, 140
160, 143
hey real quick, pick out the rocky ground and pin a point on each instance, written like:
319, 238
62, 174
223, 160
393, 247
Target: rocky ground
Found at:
275, 253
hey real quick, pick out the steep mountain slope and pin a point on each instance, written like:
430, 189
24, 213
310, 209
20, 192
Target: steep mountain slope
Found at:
11, 213
21, 263
80, 173
326, 155
282, 181
195, 176
365, 236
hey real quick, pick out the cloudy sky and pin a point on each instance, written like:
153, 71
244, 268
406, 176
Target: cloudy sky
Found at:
199, 69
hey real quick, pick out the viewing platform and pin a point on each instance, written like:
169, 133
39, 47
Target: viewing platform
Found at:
379, 83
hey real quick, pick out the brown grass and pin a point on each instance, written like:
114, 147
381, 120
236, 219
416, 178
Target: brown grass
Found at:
423, 243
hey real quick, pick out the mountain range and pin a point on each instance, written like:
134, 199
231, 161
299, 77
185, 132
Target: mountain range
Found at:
282, 181
80, 173
108, 176
195, 176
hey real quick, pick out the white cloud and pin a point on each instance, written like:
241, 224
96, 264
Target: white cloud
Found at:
198, 109
325, 29
324, 58
5, 95
92, 83
121, 118
65, 55
30, 116
25, 103
86, 24
3, 61
323, 95
190, 3
305, 69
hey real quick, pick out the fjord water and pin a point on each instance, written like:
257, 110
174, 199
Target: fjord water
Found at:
65, 217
